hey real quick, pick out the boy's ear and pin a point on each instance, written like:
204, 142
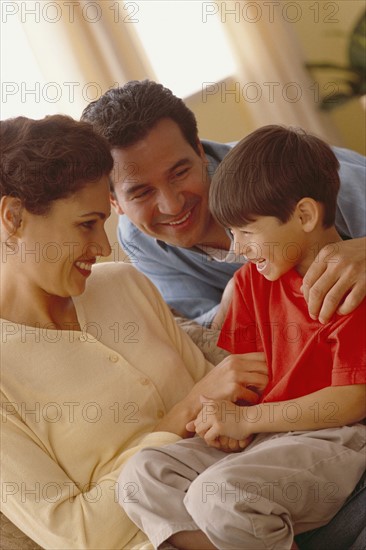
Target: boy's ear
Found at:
308, 211
11, 210
115, 203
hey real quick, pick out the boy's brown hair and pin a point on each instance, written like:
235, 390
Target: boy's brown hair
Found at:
269, 171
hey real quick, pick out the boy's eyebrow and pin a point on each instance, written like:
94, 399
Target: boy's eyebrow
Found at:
135, 188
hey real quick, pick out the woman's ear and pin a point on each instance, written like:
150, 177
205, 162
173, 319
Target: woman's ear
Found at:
309, 213
11, 210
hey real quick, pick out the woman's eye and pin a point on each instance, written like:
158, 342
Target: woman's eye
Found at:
88, 225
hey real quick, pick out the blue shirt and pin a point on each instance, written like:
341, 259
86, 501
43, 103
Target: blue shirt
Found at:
192, 282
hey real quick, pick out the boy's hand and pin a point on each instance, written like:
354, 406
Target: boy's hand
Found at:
230, 445
220, 419
338, 272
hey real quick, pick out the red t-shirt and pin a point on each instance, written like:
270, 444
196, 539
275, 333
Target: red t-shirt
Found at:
302, 355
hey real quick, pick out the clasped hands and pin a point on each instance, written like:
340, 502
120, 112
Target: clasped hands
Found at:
220, 422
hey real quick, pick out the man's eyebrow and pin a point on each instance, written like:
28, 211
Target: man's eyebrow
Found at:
101, 215
135, 188
179, 163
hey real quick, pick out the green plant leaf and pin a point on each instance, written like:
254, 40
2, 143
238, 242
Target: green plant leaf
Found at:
357, 45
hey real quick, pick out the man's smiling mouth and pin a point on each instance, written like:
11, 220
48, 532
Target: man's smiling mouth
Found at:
180, 220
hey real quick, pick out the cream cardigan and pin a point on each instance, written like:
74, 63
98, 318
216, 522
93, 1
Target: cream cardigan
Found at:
76, 405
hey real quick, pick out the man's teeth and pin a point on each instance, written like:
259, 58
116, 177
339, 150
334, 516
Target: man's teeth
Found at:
181, 220
83, 265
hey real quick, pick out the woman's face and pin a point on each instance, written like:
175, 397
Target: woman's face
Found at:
57, 250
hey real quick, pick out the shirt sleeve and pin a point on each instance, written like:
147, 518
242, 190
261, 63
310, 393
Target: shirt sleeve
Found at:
350, 215
239, 333
348, 341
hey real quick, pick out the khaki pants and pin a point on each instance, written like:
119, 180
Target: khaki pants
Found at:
280, 485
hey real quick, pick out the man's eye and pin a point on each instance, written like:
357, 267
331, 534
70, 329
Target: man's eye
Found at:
181, 173
142, 194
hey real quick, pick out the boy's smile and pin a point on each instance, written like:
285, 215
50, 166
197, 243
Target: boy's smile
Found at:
273, 246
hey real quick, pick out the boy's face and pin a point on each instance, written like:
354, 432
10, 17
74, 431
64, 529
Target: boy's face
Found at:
274, 247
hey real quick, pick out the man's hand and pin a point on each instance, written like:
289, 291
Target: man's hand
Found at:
338, 272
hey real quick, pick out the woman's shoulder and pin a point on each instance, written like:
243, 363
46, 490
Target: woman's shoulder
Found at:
118, 278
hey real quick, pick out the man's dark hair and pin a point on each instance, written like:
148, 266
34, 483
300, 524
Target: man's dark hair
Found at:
125, 115
269, 171
49, 159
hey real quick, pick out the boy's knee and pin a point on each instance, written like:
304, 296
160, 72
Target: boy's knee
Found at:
129, 481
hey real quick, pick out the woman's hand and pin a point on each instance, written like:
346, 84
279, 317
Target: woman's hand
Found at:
338, 272
238, 377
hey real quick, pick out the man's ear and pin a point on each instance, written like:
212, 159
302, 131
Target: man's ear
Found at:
309, 213
201, 151
11, 210
115, 203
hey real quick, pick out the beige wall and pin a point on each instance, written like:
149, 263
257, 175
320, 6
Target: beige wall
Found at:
327, 41
322, 35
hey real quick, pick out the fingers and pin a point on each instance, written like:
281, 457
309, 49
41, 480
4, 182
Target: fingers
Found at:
335, 281
190, 427
323, 305
354, 298
247, 395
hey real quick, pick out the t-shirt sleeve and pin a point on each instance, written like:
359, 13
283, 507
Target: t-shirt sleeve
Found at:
348, 339
239, 333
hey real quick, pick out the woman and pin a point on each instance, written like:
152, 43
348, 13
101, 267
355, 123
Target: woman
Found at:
94, 367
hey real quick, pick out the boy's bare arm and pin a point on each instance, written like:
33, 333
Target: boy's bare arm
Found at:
333, 406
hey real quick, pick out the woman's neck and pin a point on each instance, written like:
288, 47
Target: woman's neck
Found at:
22, 303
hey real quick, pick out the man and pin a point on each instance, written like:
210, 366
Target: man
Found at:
161, 179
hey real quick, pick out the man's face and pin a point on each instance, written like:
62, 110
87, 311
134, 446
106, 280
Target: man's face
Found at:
161, 184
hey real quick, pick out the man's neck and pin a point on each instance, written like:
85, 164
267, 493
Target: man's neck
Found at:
216, 237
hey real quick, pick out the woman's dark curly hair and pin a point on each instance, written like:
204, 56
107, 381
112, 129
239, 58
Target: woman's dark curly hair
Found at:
49, 159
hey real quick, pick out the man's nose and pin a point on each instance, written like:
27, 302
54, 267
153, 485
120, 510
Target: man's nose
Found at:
171, 201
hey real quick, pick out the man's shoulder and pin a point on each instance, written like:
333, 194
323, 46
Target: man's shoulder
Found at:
347, 156
136, 242
216, 150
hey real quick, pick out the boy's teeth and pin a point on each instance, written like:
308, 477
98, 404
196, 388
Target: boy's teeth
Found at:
181, 220
261, 265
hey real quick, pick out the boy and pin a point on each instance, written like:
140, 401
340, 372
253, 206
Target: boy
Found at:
308, 452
